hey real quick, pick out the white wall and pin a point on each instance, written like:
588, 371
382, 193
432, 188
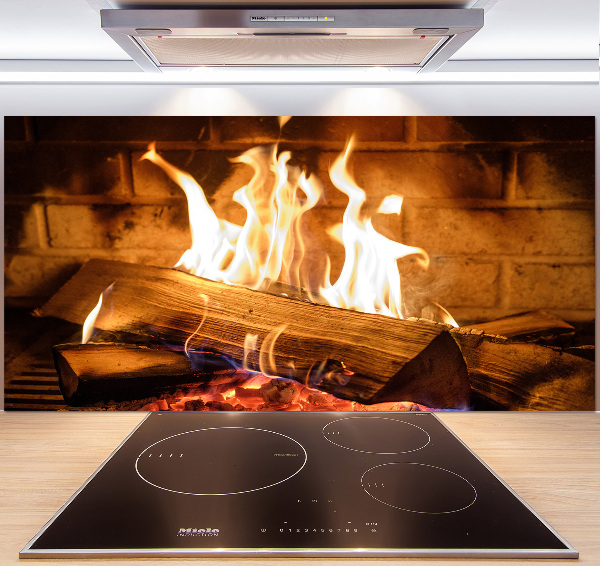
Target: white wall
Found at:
283, 100
274, 100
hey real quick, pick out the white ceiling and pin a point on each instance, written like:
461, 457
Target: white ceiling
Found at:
513, 30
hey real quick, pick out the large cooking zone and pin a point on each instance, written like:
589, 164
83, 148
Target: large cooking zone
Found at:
225, 484
299, 263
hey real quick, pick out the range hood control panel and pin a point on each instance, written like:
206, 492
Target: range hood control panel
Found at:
292, 18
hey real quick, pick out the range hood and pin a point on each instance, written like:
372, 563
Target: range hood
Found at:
413, 39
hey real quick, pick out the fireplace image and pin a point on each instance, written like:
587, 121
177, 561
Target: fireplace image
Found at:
299, 263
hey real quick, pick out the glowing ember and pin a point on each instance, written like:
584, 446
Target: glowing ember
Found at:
261, 393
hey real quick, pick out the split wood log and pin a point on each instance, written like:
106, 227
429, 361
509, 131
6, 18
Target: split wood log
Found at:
511, 371
349, 354
586, 351
535, 326
523, 376
105, 370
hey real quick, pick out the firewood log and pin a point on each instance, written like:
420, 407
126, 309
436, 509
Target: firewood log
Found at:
525, 376
535, 326
512, 371
104, 370
364, 357
350, 354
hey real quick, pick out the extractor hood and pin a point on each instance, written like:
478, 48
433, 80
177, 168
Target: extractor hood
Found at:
414, 39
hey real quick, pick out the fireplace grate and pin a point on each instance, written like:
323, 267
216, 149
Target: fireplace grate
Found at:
30, 378
35, 388
32, 384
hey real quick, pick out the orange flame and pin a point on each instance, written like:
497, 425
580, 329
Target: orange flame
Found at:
88, 325
266, 358
370, 280
270, 246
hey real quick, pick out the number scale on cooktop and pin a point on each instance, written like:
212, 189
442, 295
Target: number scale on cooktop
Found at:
295, 484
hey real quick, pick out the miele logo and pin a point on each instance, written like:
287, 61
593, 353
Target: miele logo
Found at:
193, 532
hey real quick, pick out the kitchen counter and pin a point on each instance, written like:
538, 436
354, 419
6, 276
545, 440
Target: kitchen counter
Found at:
552, 460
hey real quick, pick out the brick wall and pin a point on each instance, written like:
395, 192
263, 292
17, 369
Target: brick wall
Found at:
503, 205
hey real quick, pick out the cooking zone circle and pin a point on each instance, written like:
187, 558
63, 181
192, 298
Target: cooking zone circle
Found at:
221, 461
419, 488
376, 435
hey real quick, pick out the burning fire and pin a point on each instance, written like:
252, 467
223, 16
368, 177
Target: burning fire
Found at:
270, 247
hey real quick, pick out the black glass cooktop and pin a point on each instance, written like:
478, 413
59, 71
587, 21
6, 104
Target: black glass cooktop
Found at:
295, 484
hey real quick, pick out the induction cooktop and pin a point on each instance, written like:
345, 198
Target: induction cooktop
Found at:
295, 484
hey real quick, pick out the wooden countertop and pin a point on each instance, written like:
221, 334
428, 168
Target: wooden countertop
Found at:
552, 460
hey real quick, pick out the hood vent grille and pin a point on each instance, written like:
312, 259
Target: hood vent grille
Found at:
290, 51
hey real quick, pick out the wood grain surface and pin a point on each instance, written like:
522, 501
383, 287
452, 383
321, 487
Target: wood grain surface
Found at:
552, 460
